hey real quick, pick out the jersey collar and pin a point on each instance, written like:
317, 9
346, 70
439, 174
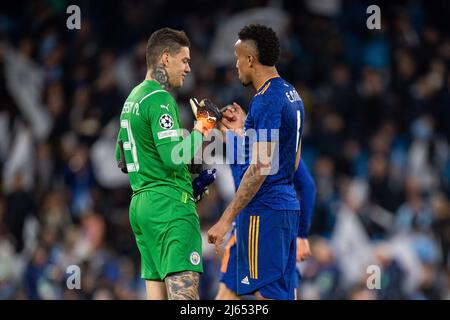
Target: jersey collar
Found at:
263, 85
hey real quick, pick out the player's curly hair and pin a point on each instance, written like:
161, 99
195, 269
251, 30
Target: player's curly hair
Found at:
266, 40
165, 40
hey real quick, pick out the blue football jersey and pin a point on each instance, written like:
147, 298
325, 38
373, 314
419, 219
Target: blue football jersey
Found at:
276, 114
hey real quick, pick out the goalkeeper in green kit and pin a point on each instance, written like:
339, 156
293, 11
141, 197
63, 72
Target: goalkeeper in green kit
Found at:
149, 146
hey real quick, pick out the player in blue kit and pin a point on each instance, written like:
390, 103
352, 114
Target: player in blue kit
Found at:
304, 184
265, 205
306, 187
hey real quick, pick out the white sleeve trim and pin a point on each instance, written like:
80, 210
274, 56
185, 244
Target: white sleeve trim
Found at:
148, 95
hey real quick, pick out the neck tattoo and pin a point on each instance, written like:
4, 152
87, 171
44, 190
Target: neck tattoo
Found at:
160, 75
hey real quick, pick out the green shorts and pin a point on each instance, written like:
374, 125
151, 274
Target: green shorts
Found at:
167, 234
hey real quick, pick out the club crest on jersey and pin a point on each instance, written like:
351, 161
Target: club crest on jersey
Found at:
166, 121
195, 258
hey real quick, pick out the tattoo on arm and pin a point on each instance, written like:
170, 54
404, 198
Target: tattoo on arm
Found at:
183, 285
159, 73
252, 180
249, 186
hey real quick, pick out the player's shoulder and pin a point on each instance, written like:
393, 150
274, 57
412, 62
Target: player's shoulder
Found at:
150, 97
273, 90
286, 91
152, 93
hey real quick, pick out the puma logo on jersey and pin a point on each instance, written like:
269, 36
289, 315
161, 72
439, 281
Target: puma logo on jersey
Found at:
165, 107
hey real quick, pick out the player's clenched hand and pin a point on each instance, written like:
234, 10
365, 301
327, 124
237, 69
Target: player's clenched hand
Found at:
234, 117
216, 235
206, 113
303, 250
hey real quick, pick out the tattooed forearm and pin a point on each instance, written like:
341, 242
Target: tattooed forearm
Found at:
249, 186
159, 74
252, 180
183, 285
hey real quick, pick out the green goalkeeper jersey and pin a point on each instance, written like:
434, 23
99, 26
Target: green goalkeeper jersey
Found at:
149, 124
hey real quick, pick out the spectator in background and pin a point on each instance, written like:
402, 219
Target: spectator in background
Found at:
321, 275
19, 205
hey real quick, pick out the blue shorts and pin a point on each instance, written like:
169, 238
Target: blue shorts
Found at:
260, 256
228, 270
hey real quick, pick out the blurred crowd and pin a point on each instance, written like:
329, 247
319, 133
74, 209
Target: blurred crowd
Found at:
376, 140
